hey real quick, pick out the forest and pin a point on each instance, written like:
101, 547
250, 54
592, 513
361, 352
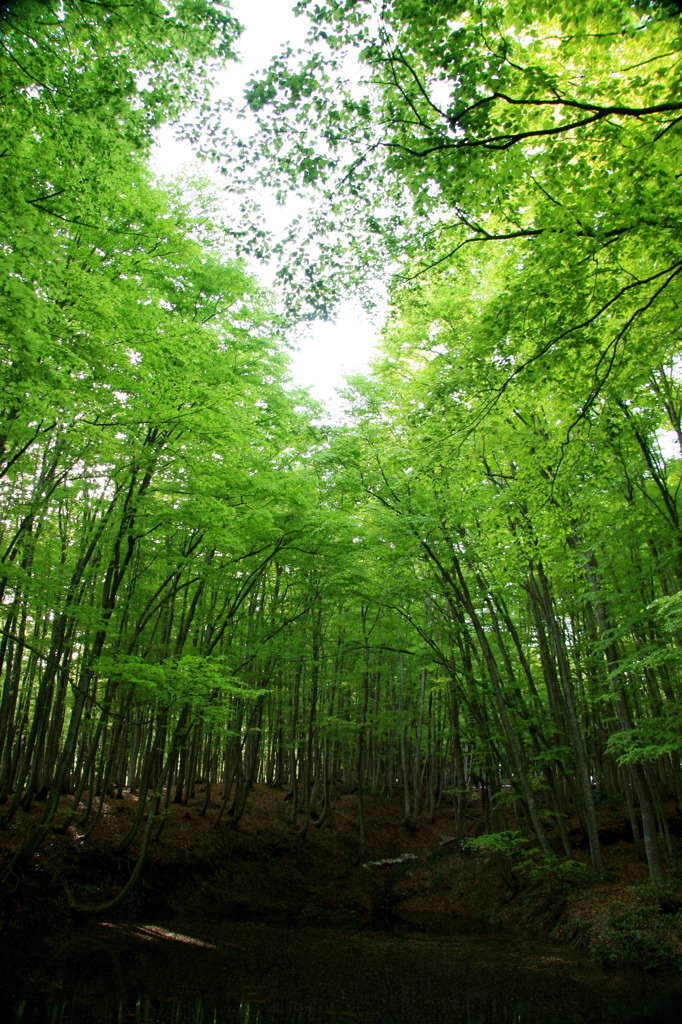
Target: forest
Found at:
469, 589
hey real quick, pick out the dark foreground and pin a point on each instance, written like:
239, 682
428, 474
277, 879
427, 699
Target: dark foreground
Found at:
151, 974
493, 951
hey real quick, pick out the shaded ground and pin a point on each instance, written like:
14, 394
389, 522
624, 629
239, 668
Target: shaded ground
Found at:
246, 973
266, 870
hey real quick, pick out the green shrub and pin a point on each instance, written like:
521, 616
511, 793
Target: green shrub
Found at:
637, 935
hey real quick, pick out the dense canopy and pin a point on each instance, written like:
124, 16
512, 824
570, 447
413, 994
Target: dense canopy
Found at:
469, 589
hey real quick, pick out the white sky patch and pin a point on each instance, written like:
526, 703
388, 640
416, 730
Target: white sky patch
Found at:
326, 351
332, 351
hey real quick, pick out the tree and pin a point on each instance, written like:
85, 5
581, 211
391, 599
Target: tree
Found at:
530, 541
472, 586
555, 130
146, 432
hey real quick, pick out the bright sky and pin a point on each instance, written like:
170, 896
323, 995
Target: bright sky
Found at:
326, 351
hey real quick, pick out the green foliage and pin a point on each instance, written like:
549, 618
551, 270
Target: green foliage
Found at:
515, 848
654, 737
475, 578
149, 450
431, 130
636, 935
573, 872
555, 876
509, 842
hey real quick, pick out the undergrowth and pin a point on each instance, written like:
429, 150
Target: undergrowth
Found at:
637, 934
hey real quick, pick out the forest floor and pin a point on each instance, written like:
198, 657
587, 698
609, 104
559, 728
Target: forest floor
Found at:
266, 870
